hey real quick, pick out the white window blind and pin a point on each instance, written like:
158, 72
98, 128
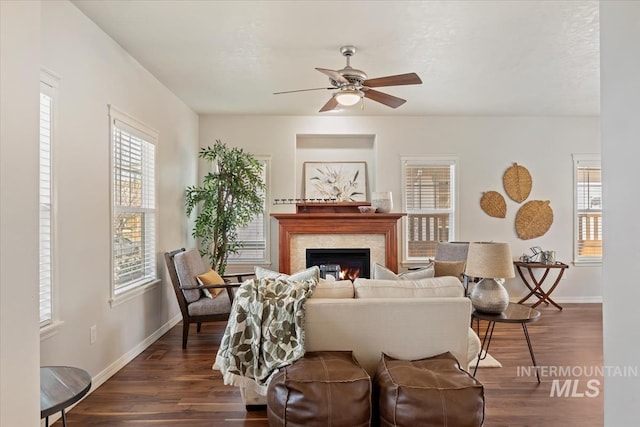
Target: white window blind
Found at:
45, 204
254, 235
428, 189
588, 209
134, 206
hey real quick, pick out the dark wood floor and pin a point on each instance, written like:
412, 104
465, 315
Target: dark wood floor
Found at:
166, 386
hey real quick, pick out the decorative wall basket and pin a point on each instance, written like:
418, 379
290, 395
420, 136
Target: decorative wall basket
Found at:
493, 204
534, 219
517, 182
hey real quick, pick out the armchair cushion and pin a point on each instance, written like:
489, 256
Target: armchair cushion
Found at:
211, 277
383, 273
206, 306
188, 265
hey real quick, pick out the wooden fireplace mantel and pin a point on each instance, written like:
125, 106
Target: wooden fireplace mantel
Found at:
338, 223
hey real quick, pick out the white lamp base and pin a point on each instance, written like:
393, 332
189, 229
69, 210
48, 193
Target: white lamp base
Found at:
489, 296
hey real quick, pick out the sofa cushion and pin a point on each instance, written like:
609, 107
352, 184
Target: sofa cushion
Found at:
381, 272
211, 277
447, 286
449, 268
333, 289
311, 273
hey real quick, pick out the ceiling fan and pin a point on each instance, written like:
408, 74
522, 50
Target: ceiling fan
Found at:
353, 85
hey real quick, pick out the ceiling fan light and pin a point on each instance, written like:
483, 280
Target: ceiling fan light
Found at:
348, 97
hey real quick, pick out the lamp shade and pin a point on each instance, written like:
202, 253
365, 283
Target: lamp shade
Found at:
489, 259
348, 97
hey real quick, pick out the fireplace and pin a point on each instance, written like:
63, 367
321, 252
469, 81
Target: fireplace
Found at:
313, 227
352, 262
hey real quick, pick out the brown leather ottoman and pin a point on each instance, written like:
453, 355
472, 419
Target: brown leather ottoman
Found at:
325, 388
427, 392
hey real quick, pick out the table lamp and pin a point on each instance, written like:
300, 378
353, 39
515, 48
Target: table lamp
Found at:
489, 260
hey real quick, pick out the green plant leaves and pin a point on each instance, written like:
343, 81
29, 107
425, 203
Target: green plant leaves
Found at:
228, 198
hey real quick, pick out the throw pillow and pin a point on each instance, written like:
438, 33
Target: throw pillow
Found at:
449, 268
311, 273
383, 273
210, 278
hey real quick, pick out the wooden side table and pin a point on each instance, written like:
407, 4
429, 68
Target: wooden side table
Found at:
535, 286
61, 387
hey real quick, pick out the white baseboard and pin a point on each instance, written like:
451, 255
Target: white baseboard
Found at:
583, 300
107, 373
121, 362
566, 300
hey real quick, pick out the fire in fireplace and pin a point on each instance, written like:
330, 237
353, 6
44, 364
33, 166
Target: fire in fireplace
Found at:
352, 262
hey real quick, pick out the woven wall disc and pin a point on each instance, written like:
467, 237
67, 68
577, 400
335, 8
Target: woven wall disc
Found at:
493, 204
534, 219
517, 182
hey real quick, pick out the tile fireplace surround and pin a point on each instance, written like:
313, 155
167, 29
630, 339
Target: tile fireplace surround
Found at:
298, 231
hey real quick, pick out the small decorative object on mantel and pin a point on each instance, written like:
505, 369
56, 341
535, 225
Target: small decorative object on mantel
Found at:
493, 204
534, 219
367, 209
382, 201
517, 182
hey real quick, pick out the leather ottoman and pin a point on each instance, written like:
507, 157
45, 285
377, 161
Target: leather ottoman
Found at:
325, 388
427, 392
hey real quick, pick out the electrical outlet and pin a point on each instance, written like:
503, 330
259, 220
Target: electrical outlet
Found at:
94, 334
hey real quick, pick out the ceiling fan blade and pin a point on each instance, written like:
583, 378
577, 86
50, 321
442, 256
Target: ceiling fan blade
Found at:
398, 80
330, 105
383, 98
304, 90
333, 74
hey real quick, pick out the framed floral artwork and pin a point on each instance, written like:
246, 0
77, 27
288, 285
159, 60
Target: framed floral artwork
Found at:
339, 181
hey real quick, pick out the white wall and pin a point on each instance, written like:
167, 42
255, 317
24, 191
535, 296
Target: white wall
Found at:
19, 330
95, 71
620, 101
485, 146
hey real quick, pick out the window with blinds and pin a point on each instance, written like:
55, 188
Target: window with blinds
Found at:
254, 236
588, 208
134, 205
46, 205
429, 201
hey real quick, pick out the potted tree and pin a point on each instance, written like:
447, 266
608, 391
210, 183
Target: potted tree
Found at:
229, 197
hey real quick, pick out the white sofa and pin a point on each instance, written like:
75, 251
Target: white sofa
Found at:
406, 319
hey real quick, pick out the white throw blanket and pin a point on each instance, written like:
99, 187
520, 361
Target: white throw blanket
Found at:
265, 331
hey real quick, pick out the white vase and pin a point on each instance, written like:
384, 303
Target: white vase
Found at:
382, 200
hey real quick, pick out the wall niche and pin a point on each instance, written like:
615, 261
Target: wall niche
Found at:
335, 148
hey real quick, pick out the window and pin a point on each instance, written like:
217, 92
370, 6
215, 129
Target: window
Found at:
429, 201
254, 235
587, 208
133, 203
47, 93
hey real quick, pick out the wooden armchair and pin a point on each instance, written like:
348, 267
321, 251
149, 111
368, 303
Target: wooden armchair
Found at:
184, 266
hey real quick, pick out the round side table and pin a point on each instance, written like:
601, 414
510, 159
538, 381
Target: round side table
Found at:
514, 313
61, 387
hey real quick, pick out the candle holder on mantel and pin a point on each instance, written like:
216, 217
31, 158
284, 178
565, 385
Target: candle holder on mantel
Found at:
298, 201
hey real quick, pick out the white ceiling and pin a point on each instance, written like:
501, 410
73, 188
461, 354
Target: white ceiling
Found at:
474, 57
